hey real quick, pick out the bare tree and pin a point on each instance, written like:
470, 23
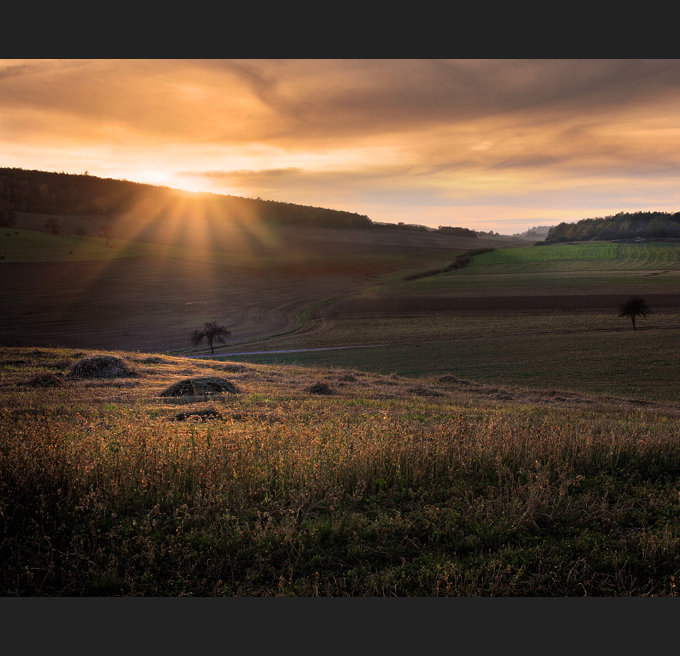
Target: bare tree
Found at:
212, 332
106, 231
8, 218
80, 231
635, 306
52, 224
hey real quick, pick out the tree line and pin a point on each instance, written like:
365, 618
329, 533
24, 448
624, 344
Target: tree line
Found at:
43, 192
624, 225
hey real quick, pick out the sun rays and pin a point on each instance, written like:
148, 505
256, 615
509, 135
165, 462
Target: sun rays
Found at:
418, 141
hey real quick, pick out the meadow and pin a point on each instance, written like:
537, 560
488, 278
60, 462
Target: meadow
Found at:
505, 433
620, 362
545, 316
328, 482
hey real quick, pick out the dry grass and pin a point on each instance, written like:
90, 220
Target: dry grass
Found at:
200, 386
101, 366
380, 489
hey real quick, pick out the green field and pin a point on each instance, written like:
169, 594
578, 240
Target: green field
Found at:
562, 266
641, 364
34, 246
574, 257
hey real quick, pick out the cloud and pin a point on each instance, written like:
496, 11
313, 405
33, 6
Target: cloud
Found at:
390, 134
242, 174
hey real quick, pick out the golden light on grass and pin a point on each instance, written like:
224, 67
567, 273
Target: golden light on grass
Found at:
382, 482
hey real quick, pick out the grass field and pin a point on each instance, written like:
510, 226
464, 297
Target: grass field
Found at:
571, 257
586, 268
641, 364
381, 486
551, 321
33, 246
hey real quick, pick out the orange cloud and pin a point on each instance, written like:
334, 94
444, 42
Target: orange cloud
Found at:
402, 139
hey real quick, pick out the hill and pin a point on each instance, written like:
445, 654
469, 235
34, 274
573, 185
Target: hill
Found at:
272, 480
621, 226
45, 192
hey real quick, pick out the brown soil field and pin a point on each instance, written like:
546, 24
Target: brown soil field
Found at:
155, 303
409, 305
150, 304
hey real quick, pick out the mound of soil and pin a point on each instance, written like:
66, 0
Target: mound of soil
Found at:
203, 414
448, 379
101, 366
152, 359
200, 386
235, 368
46, 379
421, 390
320, 388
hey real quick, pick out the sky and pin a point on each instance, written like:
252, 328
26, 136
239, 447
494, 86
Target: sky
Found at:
500, 145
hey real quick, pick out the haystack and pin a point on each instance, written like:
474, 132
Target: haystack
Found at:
320, 388
203, 414
152, 359
421, 390
448, 379
201, 386
101, 366
45, 379
235, 368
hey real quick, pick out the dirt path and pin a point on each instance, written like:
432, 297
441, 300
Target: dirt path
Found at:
299, 350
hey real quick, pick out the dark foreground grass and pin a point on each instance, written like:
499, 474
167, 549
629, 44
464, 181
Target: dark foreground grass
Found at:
383, 487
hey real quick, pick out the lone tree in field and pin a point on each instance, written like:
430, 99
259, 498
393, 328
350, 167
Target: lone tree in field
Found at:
80, 231
8, 218
106, 231
52, 224
213, 332
634, 307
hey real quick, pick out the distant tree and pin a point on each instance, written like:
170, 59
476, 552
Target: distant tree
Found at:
80, 231
212, 332
635, 306
106, 231
8, 218
52, 224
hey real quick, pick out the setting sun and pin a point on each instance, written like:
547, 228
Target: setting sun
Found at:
496, 145
339, 328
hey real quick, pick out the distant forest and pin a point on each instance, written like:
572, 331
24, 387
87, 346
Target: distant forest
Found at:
624, 225
64, 193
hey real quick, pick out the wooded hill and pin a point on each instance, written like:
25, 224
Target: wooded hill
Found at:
64, 193
624, 225
43, 192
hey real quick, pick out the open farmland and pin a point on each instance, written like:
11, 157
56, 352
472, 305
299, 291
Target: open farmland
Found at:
640, 365
521, 315
328, 482
61, 290
493, 440
545, 316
